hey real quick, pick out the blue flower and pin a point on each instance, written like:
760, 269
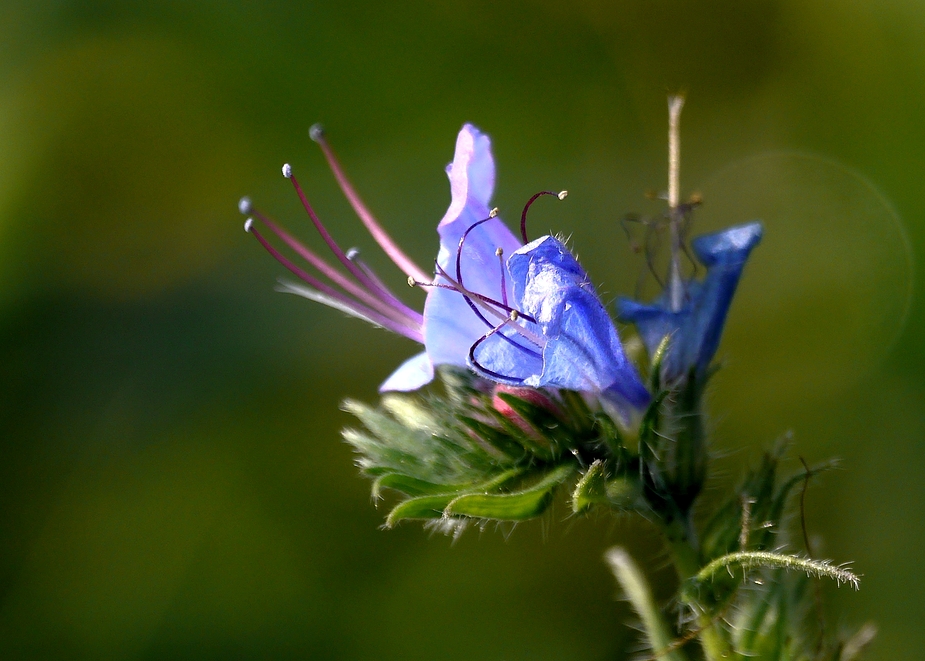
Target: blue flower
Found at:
562, 336
696, 327
522, 315
532, 319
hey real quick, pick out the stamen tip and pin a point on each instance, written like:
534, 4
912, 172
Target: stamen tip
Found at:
244, 205
248, 224
499, 251
411, 281
493, 212
562, 194
353, 253
316, 132
287, 171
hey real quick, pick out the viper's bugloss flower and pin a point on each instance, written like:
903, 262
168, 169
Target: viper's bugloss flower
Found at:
580, 349
524, 315
696, 326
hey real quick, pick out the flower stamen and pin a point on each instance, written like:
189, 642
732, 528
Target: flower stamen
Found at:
369, 292
500, 253
523, 216
380, 288
475, 345
316, 132
327, 294
462, 241
355, 271
487, 303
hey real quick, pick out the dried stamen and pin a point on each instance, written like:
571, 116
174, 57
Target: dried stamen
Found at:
675, 282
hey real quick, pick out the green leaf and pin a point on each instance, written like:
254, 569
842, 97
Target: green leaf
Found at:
515, 506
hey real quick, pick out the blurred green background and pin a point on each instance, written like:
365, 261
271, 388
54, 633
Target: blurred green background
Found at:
172, 481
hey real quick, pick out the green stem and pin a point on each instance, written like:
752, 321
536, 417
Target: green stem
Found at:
682, 543
637, 592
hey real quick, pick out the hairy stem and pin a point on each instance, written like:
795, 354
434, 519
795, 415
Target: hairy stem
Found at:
637, 592
752, 559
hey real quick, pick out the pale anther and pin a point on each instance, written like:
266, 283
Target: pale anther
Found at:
287, 171
248, 224
562, 194
493, 212
244, 205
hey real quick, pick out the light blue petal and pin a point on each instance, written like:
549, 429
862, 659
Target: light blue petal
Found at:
472, 182
415, 372
450, 325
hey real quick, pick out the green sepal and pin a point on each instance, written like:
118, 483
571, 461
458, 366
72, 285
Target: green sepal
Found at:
515, 506
434, 505
760, 621
412, 486
577, 412
499, 439
723, 534
591, 488
422, 507
766, 536
625, 493
622, 492
658, 357
536, 438
607, 433
648, 427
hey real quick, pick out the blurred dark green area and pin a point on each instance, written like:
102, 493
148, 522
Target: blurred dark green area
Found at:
172, 481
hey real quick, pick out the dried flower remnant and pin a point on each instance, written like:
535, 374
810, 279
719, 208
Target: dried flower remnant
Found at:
690, 313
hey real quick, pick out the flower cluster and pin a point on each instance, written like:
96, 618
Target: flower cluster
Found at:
540, 394
513, 311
